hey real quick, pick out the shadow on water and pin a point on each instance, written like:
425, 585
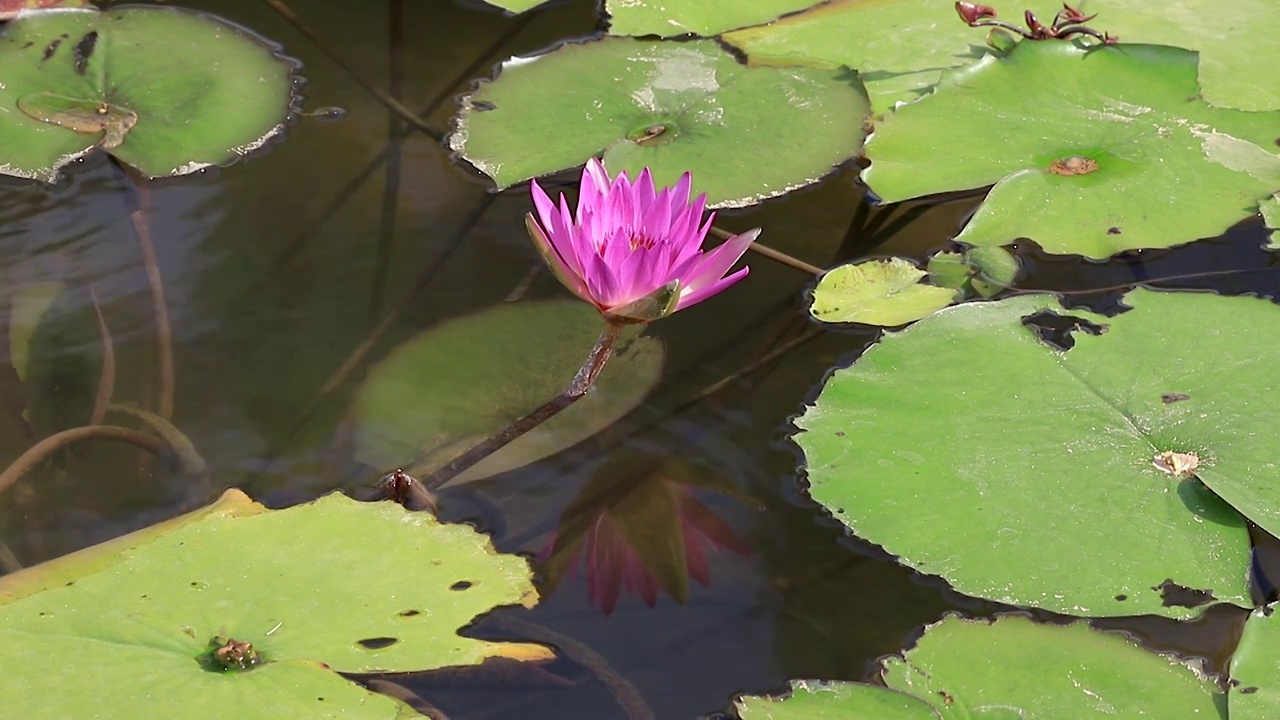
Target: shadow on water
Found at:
280, 268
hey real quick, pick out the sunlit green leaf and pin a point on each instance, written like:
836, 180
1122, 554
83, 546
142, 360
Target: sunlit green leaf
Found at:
694, 17
877, 292
1255, 668
166, 90
1091, 151
746, 134
974, 448
316, 589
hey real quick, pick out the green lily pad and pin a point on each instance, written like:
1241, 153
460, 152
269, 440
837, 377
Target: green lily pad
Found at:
694, 17
903, 47
816, 700
746, 134
316, 589
877, 292
1011, 667
1091, 151
1019, 472
1255, 669
10, 8
517, 6
900, 47
1270, 209
442, 392
166, 90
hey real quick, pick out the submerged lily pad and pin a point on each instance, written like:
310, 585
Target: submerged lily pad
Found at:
166, 90
1091, 151
877, 292
694, 17
1008, 668
314, 590
746, 134
447, 389
975, 448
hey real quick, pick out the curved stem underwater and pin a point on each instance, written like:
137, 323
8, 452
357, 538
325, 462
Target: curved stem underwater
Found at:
37, 453
582, 382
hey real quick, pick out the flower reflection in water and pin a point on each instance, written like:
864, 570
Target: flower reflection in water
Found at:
638, 535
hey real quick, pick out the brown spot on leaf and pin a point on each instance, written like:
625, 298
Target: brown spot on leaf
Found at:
1073, 165
1169, 398
1114, 231
1181, 465
1175, 595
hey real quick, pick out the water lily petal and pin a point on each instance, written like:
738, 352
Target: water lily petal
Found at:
696, 296
554, 260
717, 262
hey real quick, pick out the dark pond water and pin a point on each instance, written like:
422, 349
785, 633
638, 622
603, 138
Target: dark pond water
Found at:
279, 268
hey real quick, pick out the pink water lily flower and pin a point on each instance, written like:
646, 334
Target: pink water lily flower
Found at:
631, 250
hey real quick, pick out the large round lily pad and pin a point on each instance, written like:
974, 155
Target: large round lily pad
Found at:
1091, 151
694, 17
166, 90
316, 589
447, 389
975, 448
1009, 668
745, 133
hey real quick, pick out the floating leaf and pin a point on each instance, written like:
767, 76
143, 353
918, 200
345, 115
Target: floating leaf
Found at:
982, 271
902, 47
694, 17
1270, 209
314, 590
10, 8
1092, 151
1255, 669
746, 134
816, 700
442, 392
517, 6
877, 292
975, 448
1011, 667
166, 90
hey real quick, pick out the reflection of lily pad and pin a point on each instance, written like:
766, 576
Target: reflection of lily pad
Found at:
1009, 668
694, 17
452, 386
1092, 152
315, 590
746, 134
168, 91
974, 448
877, 292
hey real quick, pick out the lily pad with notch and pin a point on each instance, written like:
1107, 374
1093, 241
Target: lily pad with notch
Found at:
695, 17
1011, 667
253, 612
1092, 151
1255, 668
974, 447
877, 292
745, 134
166, 90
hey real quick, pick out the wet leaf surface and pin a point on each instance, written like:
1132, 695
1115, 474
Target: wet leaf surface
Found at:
746, 134
694, 17
877, 292
974, 449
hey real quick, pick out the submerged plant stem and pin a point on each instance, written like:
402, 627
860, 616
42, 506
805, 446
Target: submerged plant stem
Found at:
107, 377
775, 255
582, 382
141, 217
39, 452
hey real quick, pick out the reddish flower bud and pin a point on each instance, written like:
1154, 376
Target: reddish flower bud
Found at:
971, 13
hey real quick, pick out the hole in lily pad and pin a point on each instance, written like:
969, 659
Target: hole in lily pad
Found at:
1073, 165
1174, 595
1173, 397
461, 585
409, 613
1055, 330
377, 643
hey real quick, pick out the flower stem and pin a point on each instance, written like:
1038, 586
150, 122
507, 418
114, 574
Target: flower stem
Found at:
582, 382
